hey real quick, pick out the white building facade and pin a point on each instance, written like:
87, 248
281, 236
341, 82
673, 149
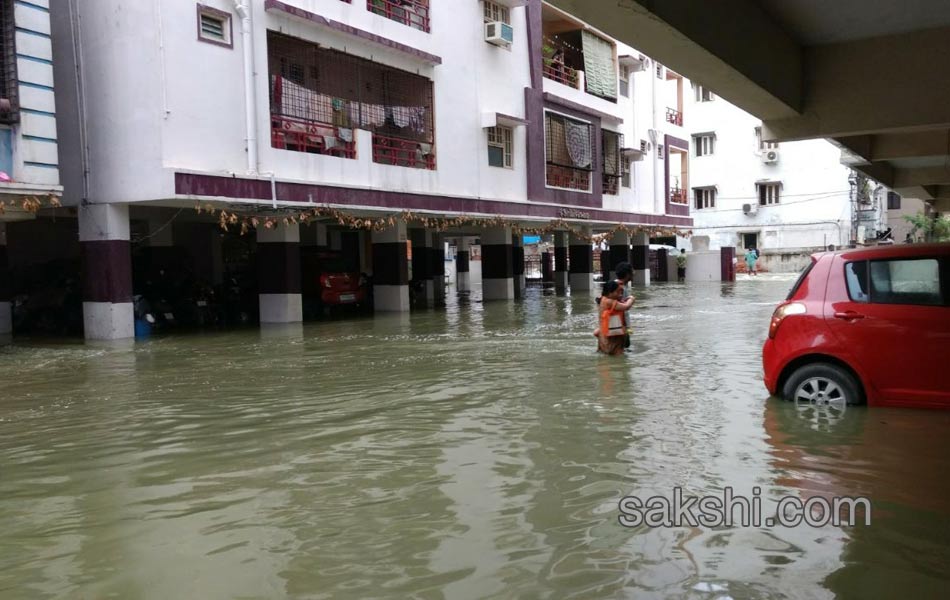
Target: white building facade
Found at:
788, 200
29, 149
508, 110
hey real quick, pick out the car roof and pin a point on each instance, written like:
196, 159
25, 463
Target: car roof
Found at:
891, 251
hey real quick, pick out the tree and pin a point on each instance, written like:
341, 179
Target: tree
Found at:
934, 228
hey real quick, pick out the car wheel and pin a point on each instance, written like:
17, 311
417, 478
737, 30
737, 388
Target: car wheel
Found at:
822, 383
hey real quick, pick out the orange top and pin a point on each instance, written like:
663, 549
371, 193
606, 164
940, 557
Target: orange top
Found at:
608, 309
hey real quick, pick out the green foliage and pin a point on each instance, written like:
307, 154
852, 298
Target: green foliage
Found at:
934, 229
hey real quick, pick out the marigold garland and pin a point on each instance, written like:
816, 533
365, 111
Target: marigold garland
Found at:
247, 222
30, 204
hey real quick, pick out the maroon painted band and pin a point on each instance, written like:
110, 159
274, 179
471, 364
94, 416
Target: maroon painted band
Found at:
496, 261
582, 259
107, 271
390, 264
278, 268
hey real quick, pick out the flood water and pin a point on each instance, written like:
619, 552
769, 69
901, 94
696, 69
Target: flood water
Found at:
474, 452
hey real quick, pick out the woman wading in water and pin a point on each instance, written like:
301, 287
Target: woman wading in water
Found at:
612, 329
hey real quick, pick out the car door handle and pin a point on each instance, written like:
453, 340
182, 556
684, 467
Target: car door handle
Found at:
849, 315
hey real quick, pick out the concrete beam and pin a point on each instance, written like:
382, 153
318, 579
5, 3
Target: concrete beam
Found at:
731, 46
879, 172
886, 84
925, 176
891, 146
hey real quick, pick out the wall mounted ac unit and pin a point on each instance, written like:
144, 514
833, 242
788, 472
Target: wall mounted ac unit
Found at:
750, 209
499, 33
644, 145
770, 156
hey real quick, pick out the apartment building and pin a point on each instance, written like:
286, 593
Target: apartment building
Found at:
475, 117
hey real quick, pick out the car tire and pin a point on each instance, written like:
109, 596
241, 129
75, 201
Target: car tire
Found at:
823, 383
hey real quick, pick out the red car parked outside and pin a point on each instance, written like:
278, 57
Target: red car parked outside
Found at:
867, 325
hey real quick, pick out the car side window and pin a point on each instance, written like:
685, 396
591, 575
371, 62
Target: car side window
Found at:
856, 275
906, 281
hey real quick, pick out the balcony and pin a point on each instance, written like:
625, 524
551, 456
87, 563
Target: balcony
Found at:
299, 135
570, 178
611, 184
414, 13
674, 116
401, 152
560, 73
678, 196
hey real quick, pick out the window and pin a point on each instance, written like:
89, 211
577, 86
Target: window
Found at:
769, 193
214, 26
495, 12
760, 145
612, 156
704, 143
569, 151
9, 85
499, 147
625, 81
703, 94
893, 201
319, 96
898, 281
414, 13
626, 180
705, 197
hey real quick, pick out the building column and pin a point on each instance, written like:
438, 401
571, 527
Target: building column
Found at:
437, 263
278, 274
663, 265
6, 286
582, 262
640, 258
422, 264
727, 258
497, 271
391, 269
619, 251
560, 261
107, 310
463, 279
517, 264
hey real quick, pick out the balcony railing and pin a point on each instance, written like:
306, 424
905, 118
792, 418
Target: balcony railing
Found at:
611, 184
414, 13
674, 116
299, 135
678, 196
560, 73
568, 177
402, 152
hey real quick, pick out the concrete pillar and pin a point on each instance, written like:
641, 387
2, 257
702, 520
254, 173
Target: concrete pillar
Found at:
321, 234
640, 258
278, 274
497, 271
437, 262
663, 266
560, 261
335, 239
582, 262
422, 265
6, 286
107, 272
517, 264
463, 279
390, 269
727, 257
619, 251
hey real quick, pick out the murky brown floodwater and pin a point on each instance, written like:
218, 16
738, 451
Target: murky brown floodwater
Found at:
477, 452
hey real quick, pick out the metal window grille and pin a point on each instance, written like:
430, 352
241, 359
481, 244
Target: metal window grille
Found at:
332, 93
612, 148
9, 89
769, 193
562, 171
495, 12
704, 144
500, 142
414, 13
705, 198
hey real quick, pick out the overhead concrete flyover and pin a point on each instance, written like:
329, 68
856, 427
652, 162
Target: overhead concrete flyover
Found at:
869, 75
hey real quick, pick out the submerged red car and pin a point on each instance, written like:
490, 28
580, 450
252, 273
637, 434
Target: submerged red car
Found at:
868, 326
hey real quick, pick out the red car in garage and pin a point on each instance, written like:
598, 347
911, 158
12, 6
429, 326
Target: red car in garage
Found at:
867, 325
331, 281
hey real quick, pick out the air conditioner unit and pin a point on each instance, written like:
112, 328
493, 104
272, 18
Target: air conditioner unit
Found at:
644, 145
750, 209
499, 33
770, 156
